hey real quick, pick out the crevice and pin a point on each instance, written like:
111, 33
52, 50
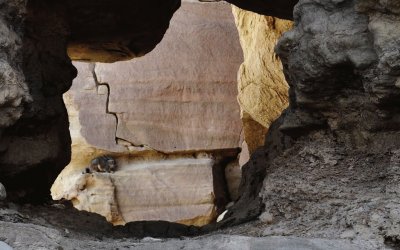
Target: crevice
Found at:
93, 70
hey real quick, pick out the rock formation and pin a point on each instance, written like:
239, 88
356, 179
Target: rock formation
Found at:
330, 164
171, 119
263, 91
331, 160
176, 190
3, 193
36, 71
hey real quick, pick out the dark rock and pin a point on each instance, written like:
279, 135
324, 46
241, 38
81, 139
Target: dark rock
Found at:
331, 160
115, 30
35, 144
3, 193
277, 8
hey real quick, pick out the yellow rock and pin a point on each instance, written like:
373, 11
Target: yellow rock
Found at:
263, 91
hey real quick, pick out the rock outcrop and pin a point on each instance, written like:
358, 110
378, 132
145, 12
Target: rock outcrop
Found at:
3, 193
171, 120
263, 91
44, 227
176, 190
35, 71
331, 160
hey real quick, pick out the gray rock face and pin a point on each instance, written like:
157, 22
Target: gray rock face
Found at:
341, 58
235, 242
331, 160
12, 82
34, 72
3, 193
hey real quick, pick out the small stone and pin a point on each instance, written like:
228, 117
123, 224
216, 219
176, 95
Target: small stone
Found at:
58, 206
3, 194
5, 246
397, 84
221, 216
349, 234
266, 217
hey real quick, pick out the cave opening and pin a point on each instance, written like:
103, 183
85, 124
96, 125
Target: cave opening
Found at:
173, 119
327, 173
178, 116
170, 119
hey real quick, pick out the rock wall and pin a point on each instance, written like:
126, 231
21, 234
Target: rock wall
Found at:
331, 160
171, 119
263, 91
35, 71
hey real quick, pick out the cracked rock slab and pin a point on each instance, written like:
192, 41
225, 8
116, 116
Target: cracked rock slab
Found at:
179, 190
181, 96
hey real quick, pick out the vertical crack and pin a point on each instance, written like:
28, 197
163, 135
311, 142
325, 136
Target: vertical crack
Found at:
98, 84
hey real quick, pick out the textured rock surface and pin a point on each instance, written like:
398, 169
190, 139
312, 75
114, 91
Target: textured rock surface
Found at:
14, 90
179, 190
263, 91
3, 193
35, 71
331, 160
182, 95
48, 227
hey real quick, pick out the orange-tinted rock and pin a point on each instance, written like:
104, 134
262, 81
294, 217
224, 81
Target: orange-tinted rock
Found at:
181, 97
263, 91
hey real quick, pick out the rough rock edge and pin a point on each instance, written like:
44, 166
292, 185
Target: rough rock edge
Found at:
349, 62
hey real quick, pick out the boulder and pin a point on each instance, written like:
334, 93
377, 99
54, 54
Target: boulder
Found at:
175, 190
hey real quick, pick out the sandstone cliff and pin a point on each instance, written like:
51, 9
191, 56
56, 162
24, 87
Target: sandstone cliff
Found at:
263, 91
171, 119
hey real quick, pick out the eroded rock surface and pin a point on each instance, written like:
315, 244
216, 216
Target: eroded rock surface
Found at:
174, 106
181, 96
49, 227
3, 193
35, 72
331, 159
263, 91
179, 190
